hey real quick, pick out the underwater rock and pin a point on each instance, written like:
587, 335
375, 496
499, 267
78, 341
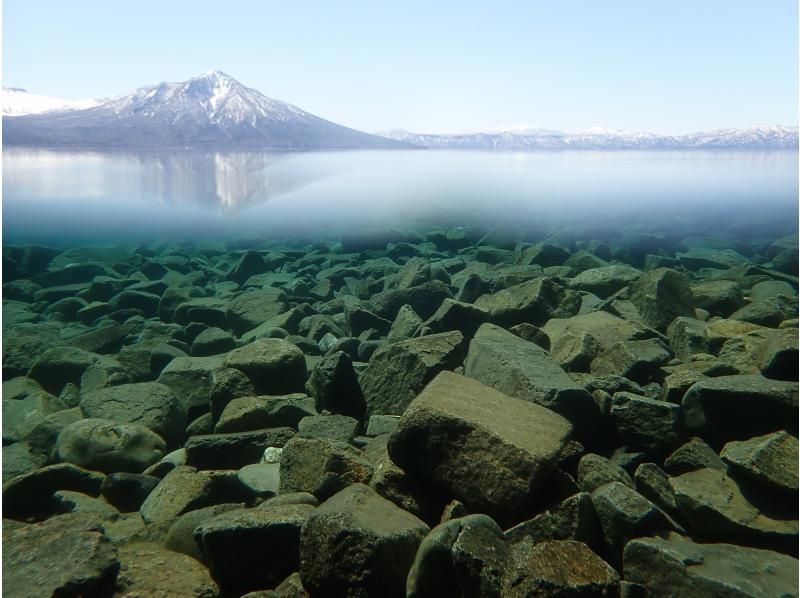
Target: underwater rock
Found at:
769, 460
127, 491
740, 407
718, 508
233, 450
258, 412
322, 467
274, 366
677, 566
468, 439
573, 518
34, 562
184, 489
250, 549
109, 446
606, 280
523, 370
557, 568
150, 404
624, 514
398, 372
329, 426
462, 556
335, 386
424, 299
31, 493
595, 471
358, 543
148, 569
662, 295
535, 302
653, 426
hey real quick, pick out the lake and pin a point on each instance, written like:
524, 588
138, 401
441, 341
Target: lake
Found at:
57, 196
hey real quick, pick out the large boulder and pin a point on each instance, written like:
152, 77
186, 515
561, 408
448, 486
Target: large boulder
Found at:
523, 370
184, 489
150, 404
770, 460
63, 556
322, 467
424, 299
251, 549
148, 569
677, 566
358, 544
625, 514
556, 568
489, 450
31, 493
109, 446
739, 407
335, 386
718, 508
233, 450
662, 295
535, 302
606, 280
191, 379
460, 557
274, 366
251, 308
399, 371
257, 412
646, 424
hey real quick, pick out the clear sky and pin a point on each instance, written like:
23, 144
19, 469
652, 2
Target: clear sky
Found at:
671, 66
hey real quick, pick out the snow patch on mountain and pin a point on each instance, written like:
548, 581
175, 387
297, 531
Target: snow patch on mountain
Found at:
17, 101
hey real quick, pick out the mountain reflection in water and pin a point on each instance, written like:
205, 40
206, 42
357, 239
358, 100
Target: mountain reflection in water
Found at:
222, 180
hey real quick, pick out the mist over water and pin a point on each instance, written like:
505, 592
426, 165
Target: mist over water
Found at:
64, 197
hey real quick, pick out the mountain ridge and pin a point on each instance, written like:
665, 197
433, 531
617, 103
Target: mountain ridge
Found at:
755, 137
211, 111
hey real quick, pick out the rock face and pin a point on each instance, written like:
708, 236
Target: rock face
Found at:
676, 566
398, 372
646, 424
357, 543
524, 370
105, 445
485, 448
34, 562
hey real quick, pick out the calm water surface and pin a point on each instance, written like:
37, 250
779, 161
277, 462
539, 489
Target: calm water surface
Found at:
51, 196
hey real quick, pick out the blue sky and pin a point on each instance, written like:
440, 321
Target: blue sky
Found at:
666, 67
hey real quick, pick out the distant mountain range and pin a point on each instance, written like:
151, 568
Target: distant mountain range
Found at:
212, 111
757, 137
216, 112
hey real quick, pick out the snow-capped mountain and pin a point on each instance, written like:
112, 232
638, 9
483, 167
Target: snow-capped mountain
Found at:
521, 139
212, 111
17, 101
